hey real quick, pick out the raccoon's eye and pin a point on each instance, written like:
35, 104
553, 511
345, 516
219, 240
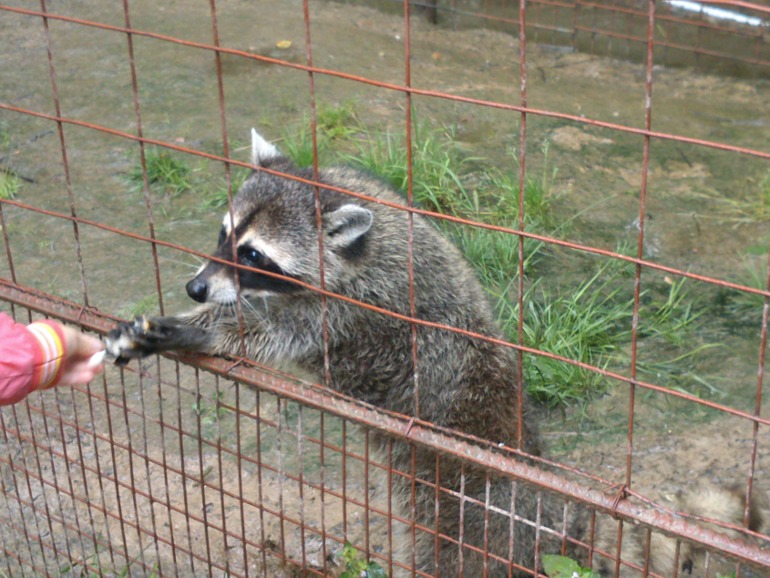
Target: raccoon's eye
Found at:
251, 257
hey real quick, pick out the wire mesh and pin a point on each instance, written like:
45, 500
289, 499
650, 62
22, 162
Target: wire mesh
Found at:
187, 465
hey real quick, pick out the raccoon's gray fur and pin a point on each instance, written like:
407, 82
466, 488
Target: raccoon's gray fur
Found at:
462, 383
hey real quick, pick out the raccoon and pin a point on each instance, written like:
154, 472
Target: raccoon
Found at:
449, 378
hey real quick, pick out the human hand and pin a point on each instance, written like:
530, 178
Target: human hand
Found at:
79, 365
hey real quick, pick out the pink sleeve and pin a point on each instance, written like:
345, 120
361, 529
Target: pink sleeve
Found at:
30, 357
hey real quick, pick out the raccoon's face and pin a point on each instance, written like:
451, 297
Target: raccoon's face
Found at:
272, 233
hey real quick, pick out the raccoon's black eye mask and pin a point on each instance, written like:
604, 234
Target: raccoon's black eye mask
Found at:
253, 258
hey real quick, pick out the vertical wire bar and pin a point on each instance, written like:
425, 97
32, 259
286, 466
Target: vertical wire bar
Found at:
367, 506
115, 467
82, 462
5, 499
619, 548
260, 497
410, 204
183, 462
99, 478
413, 509
437, 541
322, 474
345, 479
67, 464
63, 143
321, 279
461, 529
758, 399
228, 179
202, 474
281, 473
300, 484
146, 461
410, 264
522, 208
640, 241
16, 472
8, 252
221, 95
239, 465
592, 542
638, 266
390, 505
319, 222
564, 528
647, 543
486, 524
142, 156
217, 402
54, 482
132, 479
538, 533
167, 504
228, 173
512, 530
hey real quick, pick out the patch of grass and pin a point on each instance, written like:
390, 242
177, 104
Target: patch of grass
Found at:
436, 162
563, 567
495, 255
332, 124
751, 205
357, 567
297, 144
9, 185
337, 122
165, 172
670, 316
145, 305
502, 191
5, 137
210, 413
585, 324
592, 323
219, 197
748, 306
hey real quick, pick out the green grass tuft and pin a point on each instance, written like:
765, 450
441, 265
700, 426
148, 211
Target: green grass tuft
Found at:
748, 306
165, 172
9, 185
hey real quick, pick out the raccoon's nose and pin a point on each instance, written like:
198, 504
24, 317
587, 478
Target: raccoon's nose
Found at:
198, 290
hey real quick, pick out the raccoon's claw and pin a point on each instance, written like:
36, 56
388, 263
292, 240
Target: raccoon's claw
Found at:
138, 338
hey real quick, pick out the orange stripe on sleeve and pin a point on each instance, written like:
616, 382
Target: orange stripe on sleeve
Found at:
51, 342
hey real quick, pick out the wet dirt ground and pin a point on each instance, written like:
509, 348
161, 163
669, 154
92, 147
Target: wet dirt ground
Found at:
702, 202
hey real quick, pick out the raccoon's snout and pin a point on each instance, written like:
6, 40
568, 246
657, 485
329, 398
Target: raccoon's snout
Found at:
198, 290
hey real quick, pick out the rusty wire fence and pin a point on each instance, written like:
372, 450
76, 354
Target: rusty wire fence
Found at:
191, 466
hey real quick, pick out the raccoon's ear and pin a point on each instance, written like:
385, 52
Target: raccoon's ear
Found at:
346, 225
262, 151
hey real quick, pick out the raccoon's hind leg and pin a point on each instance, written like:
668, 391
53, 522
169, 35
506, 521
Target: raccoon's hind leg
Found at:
142, 337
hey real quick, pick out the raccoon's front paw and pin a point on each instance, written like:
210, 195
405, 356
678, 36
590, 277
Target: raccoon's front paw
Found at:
138, 338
